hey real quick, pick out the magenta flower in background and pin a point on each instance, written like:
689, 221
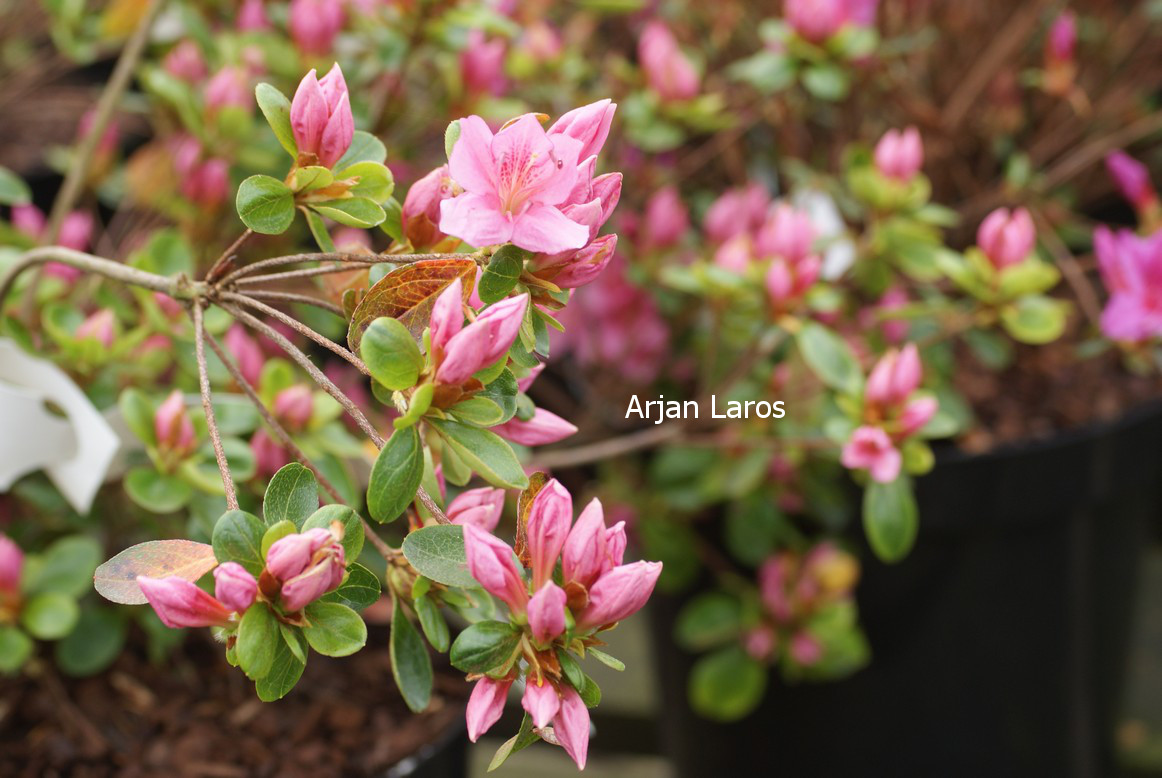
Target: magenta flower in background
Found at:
229, 88
172, 425
815, 20
180, 603
185, 61
1061, 43
293, 407
737, 211
515, 183
1132, 179
900, 154
11, 565
666, 219
246, 353
1007, 238
668, 70
482, 65
321, 116
251, 16
1131, 267
315, 23
871, 449
100, 326
269, 454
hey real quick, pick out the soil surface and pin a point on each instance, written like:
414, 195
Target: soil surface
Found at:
199, 717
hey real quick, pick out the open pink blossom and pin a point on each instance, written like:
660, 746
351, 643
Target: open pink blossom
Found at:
871, 449
321, 118
515, 183
1131, 267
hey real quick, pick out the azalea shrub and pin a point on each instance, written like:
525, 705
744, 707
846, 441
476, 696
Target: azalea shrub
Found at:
338, 388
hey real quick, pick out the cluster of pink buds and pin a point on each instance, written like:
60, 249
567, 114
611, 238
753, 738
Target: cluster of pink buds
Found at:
459, 351
181, 603
314, 24
1131, 267
321, 118
532, 187
793, 588
891, 415
818, 20
592, 593
1133, 181
11, 569
668, 71
173, 428
1007, 238
202, 180
76, 232
899, 155
302, 567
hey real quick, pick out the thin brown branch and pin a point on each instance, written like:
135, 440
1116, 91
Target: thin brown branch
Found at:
284, 437
178, 287
208, 407
298, 327
351, 258
1086, 295
294, 297
223, 262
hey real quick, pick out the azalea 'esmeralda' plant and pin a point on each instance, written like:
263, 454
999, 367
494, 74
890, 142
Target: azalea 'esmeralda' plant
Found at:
449, 341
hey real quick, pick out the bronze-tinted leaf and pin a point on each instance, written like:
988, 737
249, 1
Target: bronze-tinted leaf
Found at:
408, 294
524, 504
116, 580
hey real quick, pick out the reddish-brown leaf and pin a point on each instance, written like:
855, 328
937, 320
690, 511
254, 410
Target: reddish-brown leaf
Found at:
408, 294
116, 580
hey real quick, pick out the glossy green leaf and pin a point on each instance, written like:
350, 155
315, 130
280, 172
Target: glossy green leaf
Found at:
361, 589
396, 475
391, 354
524, 738
258, 640
138, 413
276, 108
484, 646
500, 276
348, 519
265, 205
375, 180
157, 492
334, 629
437, 552
238, 538
432, 622
292, 495
726, 685
284, 673
364, 147
483, 451
410, 664
890, 518
710, 619
352, 211
830, 358
94, 643
1034, 319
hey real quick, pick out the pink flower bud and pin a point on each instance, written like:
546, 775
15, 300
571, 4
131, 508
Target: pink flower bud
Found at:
314, 25
805, 648
571, 726
99, 326
541, 702
895, 376
780, 281
463, 355
207, 183
483, 341
815, 20
736, 212
787, 233
736, 254
482, 65
668, 71
11, 565
229, 88
485, 705
447, 315
321, 577
321, 116
269, 455
618, 594
172, 425
900, 155
491, 562
541, 41
547, 613
615, 542
76, 231
481, 507
290, 556
584, 554
293, 407
759, 643
503, 321
586, 263
871, 449
773, 585
1062, 40
29, 220
246, 353
1132, 179
588, 124
234, 587
666, 219
179, 603
185, 61
1007, 239
420, 217
548, 526
916, 414
251, 17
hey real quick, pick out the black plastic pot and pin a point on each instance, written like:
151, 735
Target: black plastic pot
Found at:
446, 757
998, 645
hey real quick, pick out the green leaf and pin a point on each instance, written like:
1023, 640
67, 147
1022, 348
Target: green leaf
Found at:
830, 358
238, 538
157, 492
334, 629
504, 268
258, 640
393, 221
396, 475
294, 640
13, 191
611, 662
890, 518
484, 646
1034, 319
284, 674
409, 293
265, 205
437, 552
433, 623
138, 413
15, 648
359, 591
364, 147
66, 566
590, 692
352, 527
311, 177
1029, 277
391, 354
524, 738
319, 231
451, 135
352, 211
572, 670
503, 391
709, 620
116, 580
478, 411
827, 81
292, 495
726, 685
484, 452
93, 644
410, 664
276, 108
50, 615
420, 403
375, 180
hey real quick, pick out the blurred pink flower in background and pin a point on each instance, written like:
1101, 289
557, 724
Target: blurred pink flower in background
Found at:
185, 61
1131, 267
228, 88
252, 16
315, 23
736, 211
668, 70
666, 219
1132, 179
482, 65
818, 20
900, 154
1007, 238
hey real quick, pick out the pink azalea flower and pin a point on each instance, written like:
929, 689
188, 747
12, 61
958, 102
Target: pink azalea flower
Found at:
185, 61
736, 211
1131, 267
420, 216
251, 17
543, 428
547, 613
871, 449
815, 20
668, 71
515, 183
900, 155
482, 65
321, 116
229, 88
492, 563
666, 219
549, 519
269, 454
1007, 238
1062, 39
541, 701
481, 343
481, 507
1132, 179
180, 603
485, 705
619, 593
246, 353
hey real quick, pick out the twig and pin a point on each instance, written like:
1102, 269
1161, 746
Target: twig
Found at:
230, 253
178, 287
280, 432
1086, 296
208, 407
298, 327
352, 258
294, 297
